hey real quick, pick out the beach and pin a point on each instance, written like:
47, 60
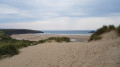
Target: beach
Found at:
37, 37
103, 53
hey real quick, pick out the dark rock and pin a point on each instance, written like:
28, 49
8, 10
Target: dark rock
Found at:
92, 32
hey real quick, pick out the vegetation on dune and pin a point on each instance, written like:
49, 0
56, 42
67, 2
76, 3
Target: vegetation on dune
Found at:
96, 35
104, 29
56, 39
60, 39
10, 47
8, 50
118, 30
111, 27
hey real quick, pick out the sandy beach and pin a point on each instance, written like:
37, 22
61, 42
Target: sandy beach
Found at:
103, 53
37, 37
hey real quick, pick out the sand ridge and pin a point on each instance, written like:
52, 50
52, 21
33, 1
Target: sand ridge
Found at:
102, 53
77, 54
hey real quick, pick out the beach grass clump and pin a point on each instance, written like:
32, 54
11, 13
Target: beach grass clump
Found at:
4, 36
39, 42
10, 47
111, 27
60, 39
22, 43
56, 39
42, 41
96, 35
8, 50
118, 30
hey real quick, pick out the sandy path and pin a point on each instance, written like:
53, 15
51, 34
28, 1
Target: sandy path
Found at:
76, 54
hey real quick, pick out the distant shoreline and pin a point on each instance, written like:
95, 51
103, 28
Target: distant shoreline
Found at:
68, 32
37, 37
59, 34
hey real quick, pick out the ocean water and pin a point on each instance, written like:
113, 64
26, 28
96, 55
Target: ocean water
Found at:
68, 32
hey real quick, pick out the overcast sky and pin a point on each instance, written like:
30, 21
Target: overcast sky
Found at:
59, 14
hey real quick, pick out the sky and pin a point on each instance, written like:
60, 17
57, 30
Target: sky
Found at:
59, 14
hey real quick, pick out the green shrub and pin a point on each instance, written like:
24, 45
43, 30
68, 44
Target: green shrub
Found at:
118, 30
21, 44
60, 39
101, 30
41, 41
9, 46
66, 39
111, 27
96, 35
97, 38
9, 50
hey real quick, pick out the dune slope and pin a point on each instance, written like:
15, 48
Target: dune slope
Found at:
103, 53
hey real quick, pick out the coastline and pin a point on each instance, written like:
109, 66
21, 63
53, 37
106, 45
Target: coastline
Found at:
37, 37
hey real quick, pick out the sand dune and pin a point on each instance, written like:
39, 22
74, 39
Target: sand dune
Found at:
97, 54
103, 53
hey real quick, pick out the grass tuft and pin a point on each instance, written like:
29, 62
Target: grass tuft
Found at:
118, 30
60, 39
96, 35
8, 50
111, 27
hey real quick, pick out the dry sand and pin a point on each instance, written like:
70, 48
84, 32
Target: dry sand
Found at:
103, 53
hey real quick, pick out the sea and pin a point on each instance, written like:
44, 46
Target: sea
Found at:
68, 32
65, 32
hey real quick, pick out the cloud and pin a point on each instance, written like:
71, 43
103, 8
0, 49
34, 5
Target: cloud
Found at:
65, 23
65, 14
11, 12
44, 9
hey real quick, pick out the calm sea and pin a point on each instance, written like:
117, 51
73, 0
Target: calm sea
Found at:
68, 32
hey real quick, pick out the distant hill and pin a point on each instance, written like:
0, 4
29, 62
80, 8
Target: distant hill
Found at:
19, 31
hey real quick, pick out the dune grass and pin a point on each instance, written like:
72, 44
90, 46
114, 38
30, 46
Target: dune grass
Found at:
118, 30
104, 29
111, 27
56, 39
10, 47
59, 39
8, 50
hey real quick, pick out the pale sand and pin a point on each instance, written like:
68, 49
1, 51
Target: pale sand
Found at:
36, 37
76, 54
103, 53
